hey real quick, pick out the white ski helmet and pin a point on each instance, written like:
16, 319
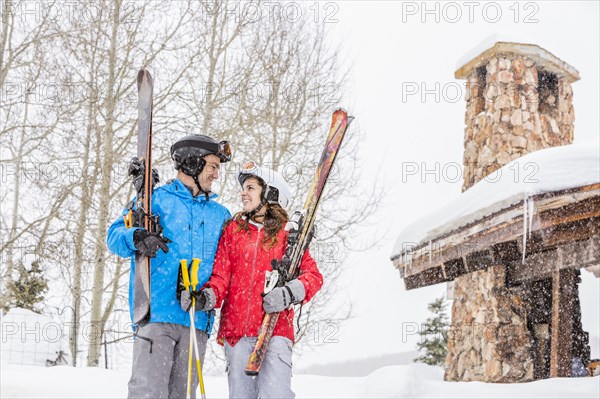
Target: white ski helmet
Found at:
275, 190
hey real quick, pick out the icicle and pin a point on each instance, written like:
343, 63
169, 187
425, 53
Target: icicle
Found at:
530, 211
408, 264
430, 251
525, 206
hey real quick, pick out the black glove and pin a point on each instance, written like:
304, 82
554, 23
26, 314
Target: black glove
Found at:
136, 171
149, 243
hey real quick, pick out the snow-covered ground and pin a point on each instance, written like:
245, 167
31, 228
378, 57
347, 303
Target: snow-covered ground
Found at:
413, 380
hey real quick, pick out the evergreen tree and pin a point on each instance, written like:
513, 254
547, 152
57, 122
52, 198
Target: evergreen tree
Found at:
26, 291
434, 335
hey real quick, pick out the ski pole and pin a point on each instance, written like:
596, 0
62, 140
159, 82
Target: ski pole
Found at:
194, 283
186, 285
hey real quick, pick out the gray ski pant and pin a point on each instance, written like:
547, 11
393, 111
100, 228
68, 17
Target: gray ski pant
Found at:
160, 361
275, 377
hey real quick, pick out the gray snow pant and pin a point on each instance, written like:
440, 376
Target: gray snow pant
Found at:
275, 377
160, 361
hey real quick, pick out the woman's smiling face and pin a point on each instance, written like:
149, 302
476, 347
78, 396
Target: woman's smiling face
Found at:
251, 191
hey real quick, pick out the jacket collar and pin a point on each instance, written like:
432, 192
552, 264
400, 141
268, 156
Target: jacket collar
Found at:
178, 188
251, 225
258, 226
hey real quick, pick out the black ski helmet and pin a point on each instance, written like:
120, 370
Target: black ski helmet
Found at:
188, 152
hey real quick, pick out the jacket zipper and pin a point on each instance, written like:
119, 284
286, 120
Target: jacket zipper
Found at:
251, 282
191, 253
203, 226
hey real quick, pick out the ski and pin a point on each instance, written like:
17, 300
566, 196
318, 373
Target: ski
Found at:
143, 210
300, 233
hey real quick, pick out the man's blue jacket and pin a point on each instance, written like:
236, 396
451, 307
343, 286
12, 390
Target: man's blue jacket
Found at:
194, 226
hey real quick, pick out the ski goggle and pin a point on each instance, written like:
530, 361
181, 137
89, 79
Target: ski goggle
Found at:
248, 167
224, 151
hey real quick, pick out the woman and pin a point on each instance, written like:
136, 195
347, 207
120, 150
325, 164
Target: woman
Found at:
252, 239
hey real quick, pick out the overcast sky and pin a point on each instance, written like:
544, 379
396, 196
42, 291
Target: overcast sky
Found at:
394, 47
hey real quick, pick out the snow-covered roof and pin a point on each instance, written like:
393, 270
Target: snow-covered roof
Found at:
542, 57
543, 171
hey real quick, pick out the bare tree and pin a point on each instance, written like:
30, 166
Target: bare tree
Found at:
123, 44
24, 41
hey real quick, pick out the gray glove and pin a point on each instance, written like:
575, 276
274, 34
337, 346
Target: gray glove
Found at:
281, 297
205, 300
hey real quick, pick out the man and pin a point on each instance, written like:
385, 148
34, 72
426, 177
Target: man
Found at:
192, 223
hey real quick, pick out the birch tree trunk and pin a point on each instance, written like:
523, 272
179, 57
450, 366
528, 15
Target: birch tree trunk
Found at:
96, 321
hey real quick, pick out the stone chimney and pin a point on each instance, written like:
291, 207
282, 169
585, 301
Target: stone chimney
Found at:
519, 100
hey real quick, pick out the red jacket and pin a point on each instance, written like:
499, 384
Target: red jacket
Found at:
238, 279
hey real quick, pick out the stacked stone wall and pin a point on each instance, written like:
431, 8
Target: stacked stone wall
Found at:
514, 107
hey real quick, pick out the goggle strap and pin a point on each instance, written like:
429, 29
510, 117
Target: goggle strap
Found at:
212, 147
222, 149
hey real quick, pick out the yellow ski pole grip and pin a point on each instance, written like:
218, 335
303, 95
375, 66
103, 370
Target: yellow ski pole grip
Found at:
185, 274
194, 276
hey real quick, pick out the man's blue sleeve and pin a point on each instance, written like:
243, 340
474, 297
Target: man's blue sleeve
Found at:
120, 239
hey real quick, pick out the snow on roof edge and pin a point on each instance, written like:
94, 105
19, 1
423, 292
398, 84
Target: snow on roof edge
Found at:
546, 170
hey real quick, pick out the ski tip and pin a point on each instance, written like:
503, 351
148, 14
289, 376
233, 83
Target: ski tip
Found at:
342, 111
143, 74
